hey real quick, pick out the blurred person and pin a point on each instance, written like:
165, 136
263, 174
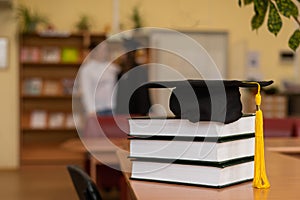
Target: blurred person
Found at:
131, 99
98, 77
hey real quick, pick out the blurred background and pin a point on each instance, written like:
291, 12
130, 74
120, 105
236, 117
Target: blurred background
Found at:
43, 44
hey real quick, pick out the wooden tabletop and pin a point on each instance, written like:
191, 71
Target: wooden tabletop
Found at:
283, 145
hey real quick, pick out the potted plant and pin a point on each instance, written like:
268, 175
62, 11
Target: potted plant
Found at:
30, 20
83, 24
136, 18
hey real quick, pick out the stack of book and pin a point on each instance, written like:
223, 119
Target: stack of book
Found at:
204, 153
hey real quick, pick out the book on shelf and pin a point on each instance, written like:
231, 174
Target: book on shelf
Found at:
56, 120
69, 123
145, 126
70, 55
32, 86
67, 85
219, 174
38, 119
50, 54
30, 54
197, 148
52, 87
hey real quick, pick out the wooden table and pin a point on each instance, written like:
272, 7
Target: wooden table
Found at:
283, 172
290, 146
94, 144
96, 150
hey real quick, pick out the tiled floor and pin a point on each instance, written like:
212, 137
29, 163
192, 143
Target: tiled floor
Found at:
41, 183
36, 183
43, 175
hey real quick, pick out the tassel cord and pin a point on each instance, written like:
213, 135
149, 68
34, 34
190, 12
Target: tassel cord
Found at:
260, 177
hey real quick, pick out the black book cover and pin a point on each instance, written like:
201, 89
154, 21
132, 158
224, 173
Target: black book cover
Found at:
192, 184
195, 139
222, 164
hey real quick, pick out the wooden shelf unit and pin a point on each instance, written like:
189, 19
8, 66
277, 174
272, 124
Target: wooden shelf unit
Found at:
48, 65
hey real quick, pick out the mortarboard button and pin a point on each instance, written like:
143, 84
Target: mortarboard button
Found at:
206, 100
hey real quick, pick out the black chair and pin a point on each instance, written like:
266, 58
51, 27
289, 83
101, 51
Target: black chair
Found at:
85, 187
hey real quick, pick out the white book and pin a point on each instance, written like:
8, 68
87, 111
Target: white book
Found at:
222, 149
193, 173
56, 120
183, 127
38, 119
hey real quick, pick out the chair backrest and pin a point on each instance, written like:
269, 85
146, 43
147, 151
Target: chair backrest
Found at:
86, 189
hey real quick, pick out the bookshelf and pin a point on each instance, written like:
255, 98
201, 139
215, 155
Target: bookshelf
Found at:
48, 67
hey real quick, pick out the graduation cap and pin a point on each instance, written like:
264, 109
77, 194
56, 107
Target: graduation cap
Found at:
206, 100
218, 100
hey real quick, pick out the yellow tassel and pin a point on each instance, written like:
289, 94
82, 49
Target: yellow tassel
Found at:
260, 177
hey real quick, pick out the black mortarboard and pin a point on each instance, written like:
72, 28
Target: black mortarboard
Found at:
206, 100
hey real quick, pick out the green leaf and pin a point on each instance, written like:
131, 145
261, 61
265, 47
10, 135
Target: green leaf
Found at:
294, 40
274, 20
247, 2
287, 8
260, 8
257, 21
